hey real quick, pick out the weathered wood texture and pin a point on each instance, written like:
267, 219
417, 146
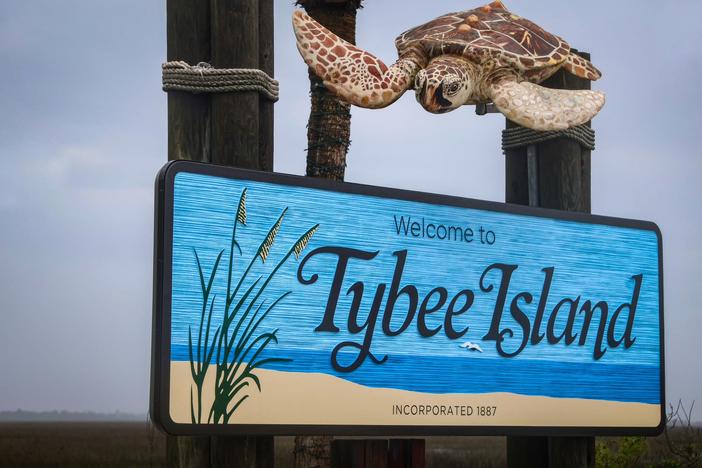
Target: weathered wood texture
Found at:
235, 116
234, 129
527, 452
406, 453
563, 166
571, 451
563, 182
265, 452
312, 451
378, 453
220, 452
265, 63
188, 39
234, 452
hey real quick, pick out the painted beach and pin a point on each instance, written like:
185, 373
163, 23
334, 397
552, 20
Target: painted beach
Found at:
318, 399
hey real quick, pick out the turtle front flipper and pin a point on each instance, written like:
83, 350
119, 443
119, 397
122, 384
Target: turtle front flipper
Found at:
581, 67
540, 108
354, 75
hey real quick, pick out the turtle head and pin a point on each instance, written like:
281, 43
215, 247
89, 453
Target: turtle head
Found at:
444, 85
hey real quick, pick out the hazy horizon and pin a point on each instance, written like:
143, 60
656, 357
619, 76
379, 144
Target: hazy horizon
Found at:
83, 133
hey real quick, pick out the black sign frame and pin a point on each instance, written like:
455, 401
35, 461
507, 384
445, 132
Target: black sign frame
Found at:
161, 332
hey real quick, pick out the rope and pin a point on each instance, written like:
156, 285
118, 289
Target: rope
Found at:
518, 137
204, 78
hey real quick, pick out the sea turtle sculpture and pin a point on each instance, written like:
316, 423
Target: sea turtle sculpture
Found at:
478, 56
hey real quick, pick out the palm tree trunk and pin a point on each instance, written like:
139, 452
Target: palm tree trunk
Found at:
329, 125
328, 139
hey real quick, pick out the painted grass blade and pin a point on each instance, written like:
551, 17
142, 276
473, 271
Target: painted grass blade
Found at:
241, 357
241, 302
267, 243
205, 296
263, 362
238, 327
303, 241
190, 352
207, 330
192, 407
241, 210
212, 348
237, 389
229, 413
206, 289
266, 338
236, 349
253, 326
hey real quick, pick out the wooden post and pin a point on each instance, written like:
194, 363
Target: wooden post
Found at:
234, 129
235, 116
552, 174
406, 453
188, 39
265, 63
378, 453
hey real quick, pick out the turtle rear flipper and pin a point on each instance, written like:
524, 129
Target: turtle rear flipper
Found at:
354, 75
541, 108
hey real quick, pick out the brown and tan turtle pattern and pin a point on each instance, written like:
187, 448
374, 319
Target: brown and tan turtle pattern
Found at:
349, 72
481, 55
491, 32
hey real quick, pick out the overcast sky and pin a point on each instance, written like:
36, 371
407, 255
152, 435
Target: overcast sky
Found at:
83, 133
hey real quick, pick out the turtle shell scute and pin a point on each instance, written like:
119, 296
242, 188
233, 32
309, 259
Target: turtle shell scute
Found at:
485, 32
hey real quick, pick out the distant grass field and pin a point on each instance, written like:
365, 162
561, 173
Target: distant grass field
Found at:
136, 444
132, 444
81, 444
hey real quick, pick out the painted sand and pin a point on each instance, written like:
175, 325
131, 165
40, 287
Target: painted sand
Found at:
310, 398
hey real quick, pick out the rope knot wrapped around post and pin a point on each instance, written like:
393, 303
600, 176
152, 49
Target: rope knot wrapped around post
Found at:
518, 137
204, 78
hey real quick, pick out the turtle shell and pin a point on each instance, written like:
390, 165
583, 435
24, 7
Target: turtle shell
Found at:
488, 32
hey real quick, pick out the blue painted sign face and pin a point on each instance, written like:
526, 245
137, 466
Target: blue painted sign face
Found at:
290, 305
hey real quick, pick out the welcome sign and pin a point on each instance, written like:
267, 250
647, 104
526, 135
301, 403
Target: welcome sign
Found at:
289, 305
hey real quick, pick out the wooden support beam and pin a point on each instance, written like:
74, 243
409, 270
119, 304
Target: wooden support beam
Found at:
406, 453
265, 63
571, 451
233, 129
235, 116
378, 453
552, 174
527, 452
233, 452
188, 39
348, 453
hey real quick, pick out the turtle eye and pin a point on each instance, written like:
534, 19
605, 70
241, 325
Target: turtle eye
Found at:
452, 88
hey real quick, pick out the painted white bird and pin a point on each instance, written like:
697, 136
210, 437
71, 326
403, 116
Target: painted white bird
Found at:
471, 346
